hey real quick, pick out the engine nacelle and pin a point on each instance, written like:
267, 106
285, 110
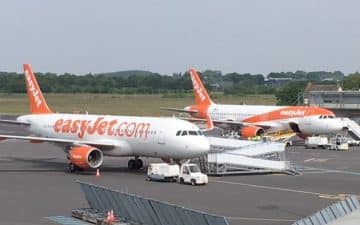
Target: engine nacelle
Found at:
251, 131
86, 157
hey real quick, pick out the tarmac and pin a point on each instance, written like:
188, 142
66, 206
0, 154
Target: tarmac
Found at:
35, 185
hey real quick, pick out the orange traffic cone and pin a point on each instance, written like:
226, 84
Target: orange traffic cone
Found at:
108, 217
112, 217
97, 172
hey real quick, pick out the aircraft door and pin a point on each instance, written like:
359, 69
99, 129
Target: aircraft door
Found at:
161, 138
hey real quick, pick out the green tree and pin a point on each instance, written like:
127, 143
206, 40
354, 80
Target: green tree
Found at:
288, 94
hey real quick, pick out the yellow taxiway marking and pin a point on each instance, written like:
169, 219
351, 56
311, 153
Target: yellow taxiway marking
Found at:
259, 219
320, 195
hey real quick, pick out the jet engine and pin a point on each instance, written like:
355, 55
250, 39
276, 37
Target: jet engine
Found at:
86, 157
251, 131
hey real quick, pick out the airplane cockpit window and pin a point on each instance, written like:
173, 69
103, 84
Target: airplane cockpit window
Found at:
200, 133
331, 117
178, 133
193, 133
184, 133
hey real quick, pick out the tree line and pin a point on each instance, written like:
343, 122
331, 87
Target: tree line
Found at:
285, 86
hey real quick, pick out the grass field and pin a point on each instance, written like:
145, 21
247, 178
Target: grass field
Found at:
141, 105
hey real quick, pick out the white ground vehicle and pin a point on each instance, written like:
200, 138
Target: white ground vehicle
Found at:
337, 142
191, 174
188, 173
163, 172
317, 142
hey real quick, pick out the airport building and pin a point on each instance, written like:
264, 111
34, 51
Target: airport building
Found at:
331, 96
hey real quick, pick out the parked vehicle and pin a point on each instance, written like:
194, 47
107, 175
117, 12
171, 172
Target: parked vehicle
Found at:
317, 142
187, 173
337, 142
190, 173
163, 172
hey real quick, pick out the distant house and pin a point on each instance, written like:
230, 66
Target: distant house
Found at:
277, 81
321, 87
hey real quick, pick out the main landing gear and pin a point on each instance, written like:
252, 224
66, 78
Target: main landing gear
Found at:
73, 168
135, 164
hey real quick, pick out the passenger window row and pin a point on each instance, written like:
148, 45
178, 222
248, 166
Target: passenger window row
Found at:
325, 117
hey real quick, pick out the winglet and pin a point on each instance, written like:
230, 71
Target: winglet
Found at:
36, 99
201, 95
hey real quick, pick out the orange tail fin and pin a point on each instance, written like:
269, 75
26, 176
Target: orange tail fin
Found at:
201, 95
36, 99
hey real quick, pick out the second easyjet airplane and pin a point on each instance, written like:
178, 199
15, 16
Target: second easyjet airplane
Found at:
253, 120
87, 138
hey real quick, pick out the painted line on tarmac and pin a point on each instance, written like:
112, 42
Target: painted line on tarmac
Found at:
317, 160
315, 172
320, 195
334, 171
308, 160
259, 219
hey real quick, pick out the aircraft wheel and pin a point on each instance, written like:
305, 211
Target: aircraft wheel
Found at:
72, 168
131, 164
139, 163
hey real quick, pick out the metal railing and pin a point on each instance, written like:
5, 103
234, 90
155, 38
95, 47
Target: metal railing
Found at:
143, 210
332, 212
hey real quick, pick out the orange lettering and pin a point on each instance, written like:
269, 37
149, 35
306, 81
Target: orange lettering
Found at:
119, 132
84, 125
142, 128
66, 127
102, 127
91, 130
111, 125
75, 126
130, 130
57, 125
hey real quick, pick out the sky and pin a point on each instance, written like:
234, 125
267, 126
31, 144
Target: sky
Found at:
254, 36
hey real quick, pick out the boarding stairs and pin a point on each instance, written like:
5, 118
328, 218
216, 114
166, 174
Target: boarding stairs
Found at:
233, 156
353, 128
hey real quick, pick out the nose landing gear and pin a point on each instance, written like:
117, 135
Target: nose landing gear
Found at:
135, 164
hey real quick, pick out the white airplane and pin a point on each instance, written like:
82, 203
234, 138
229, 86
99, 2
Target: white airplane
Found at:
254, 120
87, 138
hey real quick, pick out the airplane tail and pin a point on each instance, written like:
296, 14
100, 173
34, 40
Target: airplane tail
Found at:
36, 99
201, 95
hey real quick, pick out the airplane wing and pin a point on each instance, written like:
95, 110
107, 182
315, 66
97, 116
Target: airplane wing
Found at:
14, 122
99, 143
227, 122
179, 110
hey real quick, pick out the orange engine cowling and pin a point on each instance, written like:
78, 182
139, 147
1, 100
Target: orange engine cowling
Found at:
251, 131
86, 157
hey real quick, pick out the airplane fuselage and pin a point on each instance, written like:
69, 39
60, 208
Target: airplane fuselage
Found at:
308, 120
131, 136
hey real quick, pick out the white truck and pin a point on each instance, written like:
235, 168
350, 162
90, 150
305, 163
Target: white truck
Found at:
163, 172
333, 143
317, 142
190, 173
187, 173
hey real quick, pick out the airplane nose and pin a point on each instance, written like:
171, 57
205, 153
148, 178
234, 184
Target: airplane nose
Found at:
337, 125
202, 146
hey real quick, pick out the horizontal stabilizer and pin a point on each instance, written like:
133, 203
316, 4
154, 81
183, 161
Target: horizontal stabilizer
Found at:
179, 110
14, 122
